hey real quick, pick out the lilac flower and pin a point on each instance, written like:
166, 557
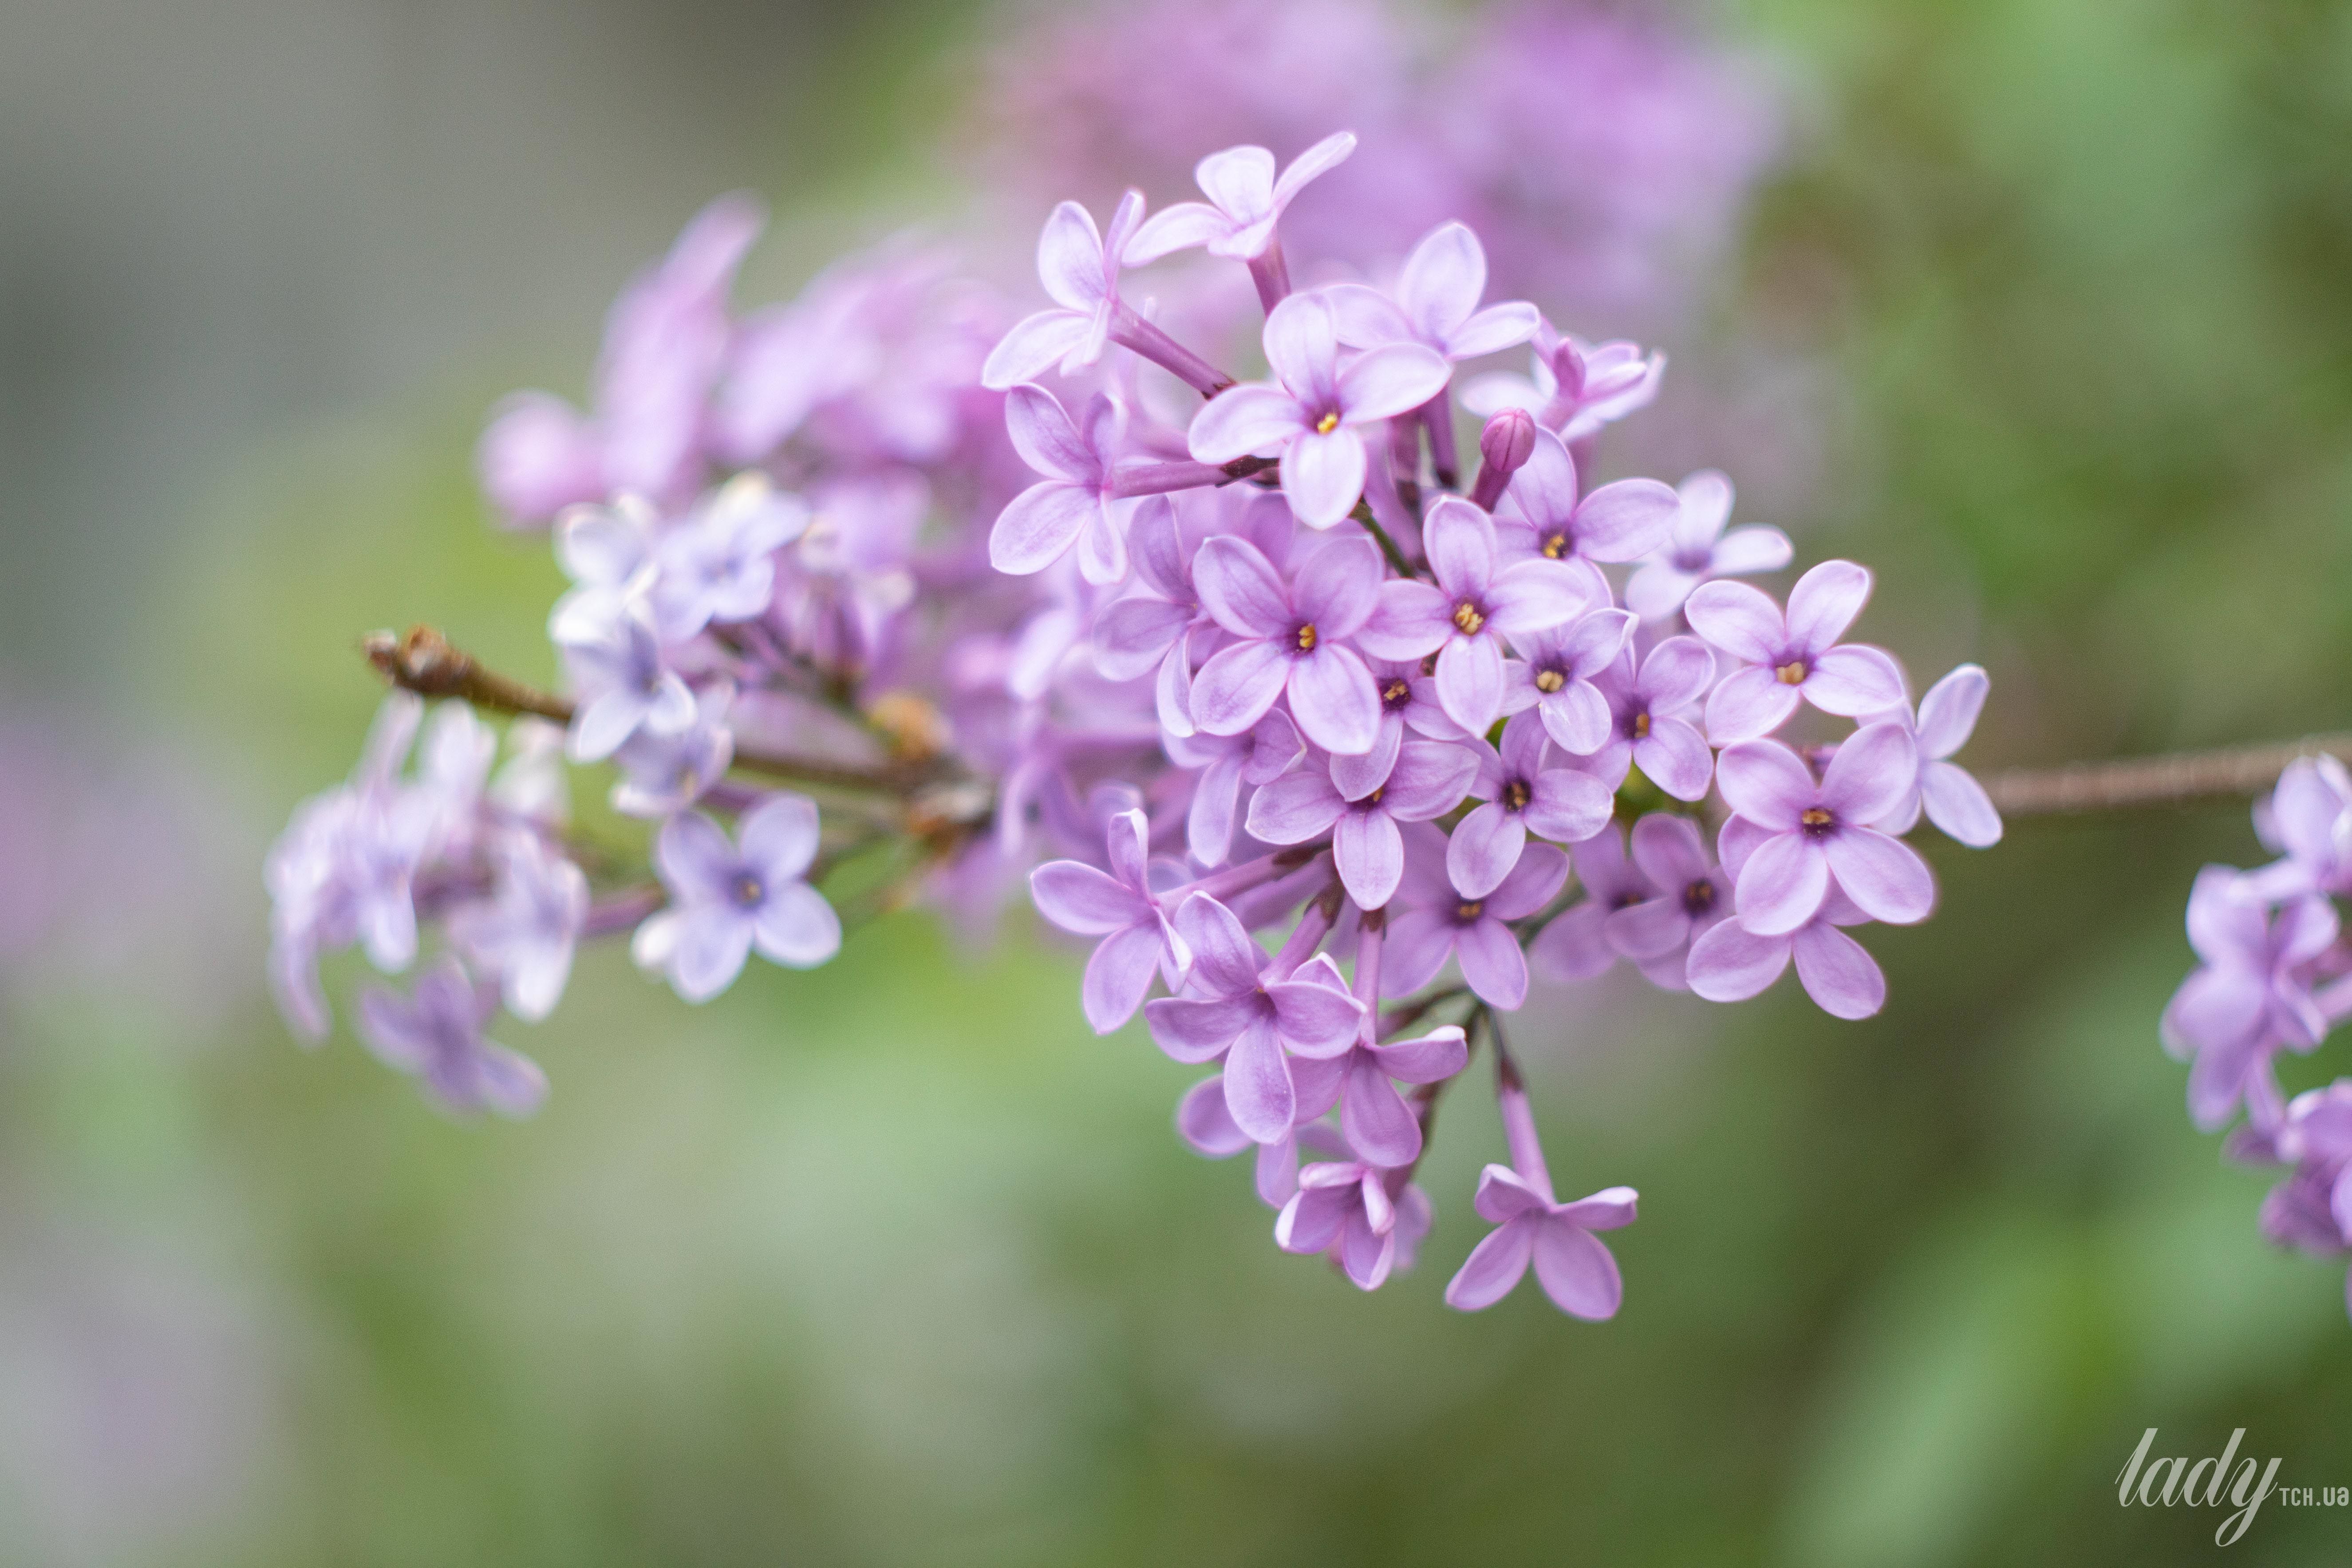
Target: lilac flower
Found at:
1571, 1264
1289, 640
1730, 963
1203, 1121
1542, 514
2312, 1210
1556, 677
1784, 658
1954, 801
1408, 701
437, 1035
1433, 920
1254, 1021
1463, 617
1816, 834
1075, 504
664, 344
1575, 945
625, 687
2253, 992
1651, 714
2308, 817
1429, 779
525, 933
1120, 908
1436, 302
1380, 1127
1697, 550
1505, 445
1246, 199
720, 566
1521, 795
1078, 264
726, 898
1346, 1208
1575, 389
1693, 896
1256, 757
608, 551
1313, 410
663, 775
1151, 630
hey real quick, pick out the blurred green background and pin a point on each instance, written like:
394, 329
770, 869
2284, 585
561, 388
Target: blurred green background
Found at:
892, 1262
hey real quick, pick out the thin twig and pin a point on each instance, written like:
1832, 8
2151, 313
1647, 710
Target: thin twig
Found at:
1363, 514
426, 662
2180, 777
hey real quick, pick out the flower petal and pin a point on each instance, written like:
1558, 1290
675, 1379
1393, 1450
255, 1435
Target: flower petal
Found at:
1251, 418
1577, 1271
1323, 475
1958, 803
1837, 973
1782, 884
796, 927
1332, 700
1740, 620
1825, 603
1766, 783
1495, 1266
1118, 974
1729, 963
1235, 688
1259, 1092
1883, 876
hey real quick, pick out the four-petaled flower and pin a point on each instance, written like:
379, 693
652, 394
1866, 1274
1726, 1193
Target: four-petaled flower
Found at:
1435, 303
1246, 199
1465, 616
437, 1034
1564, 804
1798, 655
1572, 1265
1542, 514
1954, 801
1119, 908
1430, 778
1347, 1207
1074, 503
729, 897
1693, 896
1289, 639
1313, 411
1816, 834
1435, 920
1652, 707
1078, 264
1696, 549
1253, 1018
1575, 388
2251, 993
1555, 675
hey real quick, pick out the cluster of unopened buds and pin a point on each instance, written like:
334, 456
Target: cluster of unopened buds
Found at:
2276, 975
1342, 728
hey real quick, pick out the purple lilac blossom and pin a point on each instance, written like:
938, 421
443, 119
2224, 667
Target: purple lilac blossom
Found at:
1949, 794
1290, 641
1696, 549
1575, 1270
1653, 710
1521, 795
1119, 907
1428, 780
2251, 995
1815, 835
729, 897
436, 1034
1784, 659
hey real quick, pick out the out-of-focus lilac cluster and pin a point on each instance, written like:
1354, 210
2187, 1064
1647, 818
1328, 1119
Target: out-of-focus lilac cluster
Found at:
1341, 725
1602, 157
2275, 975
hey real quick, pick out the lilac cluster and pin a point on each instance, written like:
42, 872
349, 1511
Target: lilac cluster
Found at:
1435, 718
2275, 975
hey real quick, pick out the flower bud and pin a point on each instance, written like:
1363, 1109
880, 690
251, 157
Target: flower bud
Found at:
1504, 448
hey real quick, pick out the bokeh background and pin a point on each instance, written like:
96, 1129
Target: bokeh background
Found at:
2041, 308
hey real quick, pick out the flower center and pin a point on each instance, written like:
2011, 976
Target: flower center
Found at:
1695, 561
749, 889
1469, 618
1698, 897
1557, 545
1791, 673
1306, 638
1374, 799
1329, 422
1550, 680
1396, 693
1515, 794
1815, 822
1641, 726
1469, 910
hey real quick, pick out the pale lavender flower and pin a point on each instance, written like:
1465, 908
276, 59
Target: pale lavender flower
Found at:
1574, 389
625, 688
1697, 550
2251, 993
1119, 907
1075, 504
1246, 202
1788, 657
1436, 303
1408, 701
1542, 512
610, 554
436, 1034
2312, 1209
1428, 780
1256, 757
1433, 921
1380, 1126
1522, 796
524, 933
1151, 631
1251, 1017
1555, 677
1079, 265
1465, 616
1575, 1270
1953, 799
1203, 1121
1653, 710
1693, 896
1289, 640
1730, 963
1817, 834
1576, 944
730, 897
663, 775
1313, 411
2308, 818
719, 566
1347, 1209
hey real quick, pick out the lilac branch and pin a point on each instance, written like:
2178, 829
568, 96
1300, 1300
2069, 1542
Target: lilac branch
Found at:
2174, 779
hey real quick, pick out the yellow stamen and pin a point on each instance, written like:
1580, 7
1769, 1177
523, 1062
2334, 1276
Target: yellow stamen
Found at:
1469, 618
1306, 638
1329, 422
1791, 673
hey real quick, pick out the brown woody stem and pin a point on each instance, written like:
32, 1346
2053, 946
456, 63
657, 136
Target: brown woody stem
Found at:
2172, 780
